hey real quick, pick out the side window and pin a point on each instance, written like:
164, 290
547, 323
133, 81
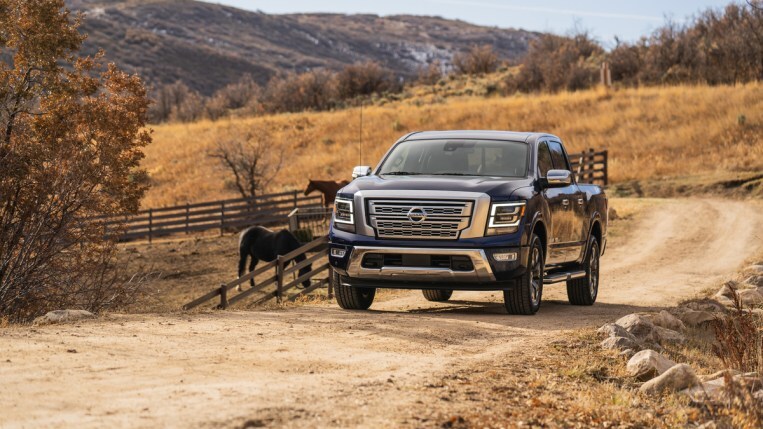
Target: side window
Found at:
544, 160
557, 155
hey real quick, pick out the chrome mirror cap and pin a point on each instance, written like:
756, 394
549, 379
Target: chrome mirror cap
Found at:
360, 171
558, 178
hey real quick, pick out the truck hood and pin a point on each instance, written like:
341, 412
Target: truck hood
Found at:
495, 187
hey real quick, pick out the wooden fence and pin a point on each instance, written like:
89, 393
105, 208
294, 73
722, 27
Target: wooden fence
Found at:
590, 166
280, 271
267, 209
310, 221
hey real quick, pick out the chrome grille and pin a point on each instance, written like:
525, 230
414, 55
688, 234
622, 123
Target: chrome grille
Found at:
444, 219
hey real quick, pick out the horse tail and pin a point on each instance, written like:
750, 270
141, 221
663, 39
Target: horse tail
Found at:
243, 254
243, 249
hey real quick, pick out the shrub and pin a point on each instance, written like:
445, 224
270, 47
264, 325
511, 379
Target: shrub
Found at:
314, 90
479, 60
365, 79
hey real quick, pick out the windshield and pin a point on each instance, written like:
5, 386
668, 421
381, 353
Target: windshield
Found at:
456, 157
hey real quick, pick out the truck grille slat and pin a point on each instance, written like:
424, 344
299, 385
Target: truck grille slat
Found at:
442, 220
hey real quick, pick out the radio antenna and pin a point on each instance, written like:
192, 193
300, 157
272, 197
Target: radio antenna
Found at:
360, 137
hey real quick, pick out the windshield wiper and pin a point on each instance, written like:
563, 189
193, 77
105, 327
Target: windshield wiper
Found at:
453, 174
400, 173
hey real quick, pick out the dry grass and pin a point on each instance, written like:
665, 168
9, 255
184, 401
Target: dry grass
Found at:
652, 133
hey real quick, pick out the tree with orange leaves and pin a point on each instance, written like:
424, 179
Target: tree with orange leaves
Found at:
71, 139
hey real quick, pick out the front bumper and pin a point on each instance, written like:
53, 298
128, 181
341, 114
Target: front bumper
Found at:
486, 272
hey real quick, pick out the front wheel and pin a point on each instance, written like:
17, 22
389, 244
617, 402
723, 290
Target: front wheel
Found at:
352, 298
583, 291
524, 298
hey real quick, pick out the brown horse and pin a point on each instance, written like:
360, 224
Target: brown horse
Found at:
326, 187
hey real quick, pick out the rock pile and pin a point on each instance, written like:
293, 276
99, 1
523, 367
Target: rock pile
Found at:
640, 337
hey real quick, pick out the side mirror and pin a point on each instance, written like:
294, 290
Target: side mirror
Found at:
360, 171
558, 178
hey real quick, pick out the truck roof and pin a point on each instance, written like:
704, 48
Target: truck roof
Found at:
478, 134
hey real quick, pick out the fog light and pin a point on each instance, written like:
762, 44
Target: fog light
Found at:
338, 252
505, 257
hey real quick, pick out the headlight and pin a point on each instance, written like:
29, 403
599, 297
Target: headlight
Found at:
344, 215
505, 217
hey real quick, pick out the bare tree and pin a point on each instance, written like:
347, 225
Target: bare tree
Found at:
254, 161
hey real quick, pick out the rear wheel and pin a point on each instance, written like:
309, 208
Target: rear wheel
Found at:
583, 291
437, 295
524, 298
352, 298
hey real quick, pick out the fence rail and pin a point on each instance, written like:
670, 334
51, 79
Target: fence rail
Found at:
280, 271
267, 209
591, 166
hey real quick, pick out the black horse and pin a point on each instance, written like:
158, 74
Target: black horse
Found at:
262, 244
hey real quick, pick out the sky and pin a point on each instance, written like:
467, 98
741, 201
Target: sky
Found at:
626, 19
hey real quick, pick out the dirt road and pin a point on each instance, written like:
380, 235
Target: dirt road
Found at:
318, 366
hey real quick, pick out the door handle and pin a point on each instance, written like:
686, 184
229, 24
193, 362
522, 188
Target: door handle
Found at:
565, 202
580, 201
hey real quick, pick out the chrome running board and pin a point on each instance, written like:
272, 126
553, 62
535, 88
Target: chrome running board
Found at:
559, 277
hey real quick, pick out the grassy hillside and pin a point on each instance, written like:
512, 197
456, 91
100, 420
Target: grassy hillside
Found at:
208, 46
653, 134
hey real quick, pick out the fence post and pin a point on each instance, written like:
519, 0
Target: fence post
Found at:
294, 220
223, 297
150, 224
606, 167
279, 277
222, 217
187, 217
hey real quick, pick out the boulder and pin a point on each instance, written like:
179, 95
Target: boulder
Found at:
614, 330
750, 297
60, 316
618, 343
647, 364
696, 318
665, 335
755, 269
667, 320
638, 325
677, 377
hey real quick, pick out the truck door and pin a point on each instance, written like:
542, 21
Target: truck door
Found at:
575, 236
562, 217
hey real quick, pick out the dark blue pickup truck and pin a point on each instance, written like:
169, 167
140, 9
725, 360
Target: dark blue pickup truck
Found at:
468, 210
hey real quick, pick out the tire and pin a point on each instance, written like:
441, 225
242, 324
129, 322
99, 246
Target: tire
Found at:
524, 298
583, 291
352, 298
437, 295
